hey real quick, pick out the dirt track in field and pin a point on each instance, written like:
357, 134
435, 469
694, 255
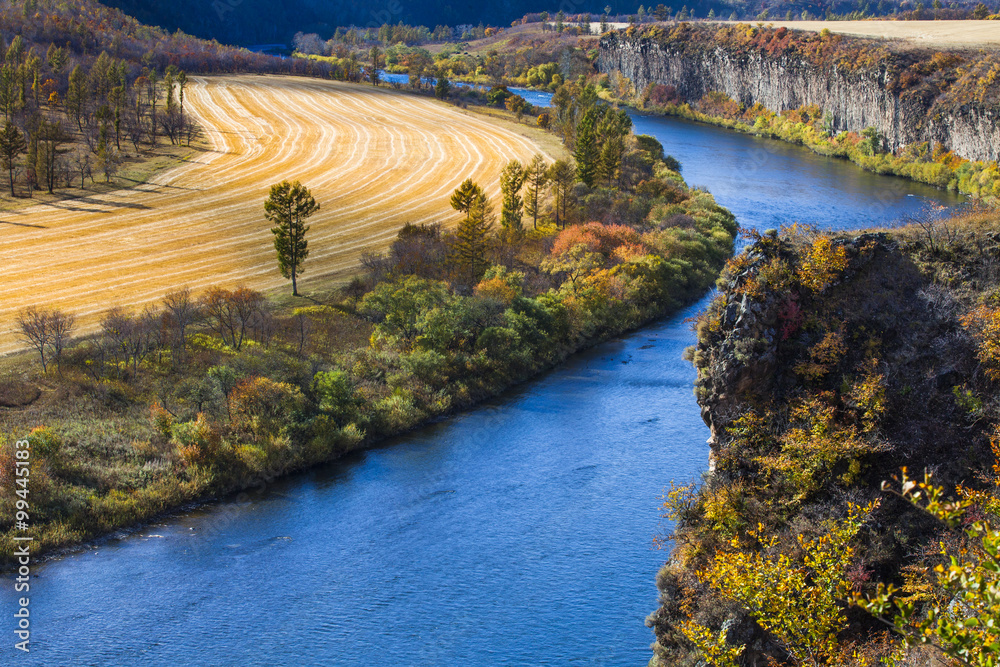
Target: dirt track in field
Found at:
373, 158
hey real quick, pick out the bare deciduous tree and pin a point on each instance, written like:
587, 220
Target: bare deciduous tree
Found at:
61, 325
182, 311
36, 330
231, 313
47, 331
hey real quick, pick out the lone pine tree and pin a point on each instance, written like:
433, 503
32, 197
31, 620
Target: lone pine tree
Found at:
287, 207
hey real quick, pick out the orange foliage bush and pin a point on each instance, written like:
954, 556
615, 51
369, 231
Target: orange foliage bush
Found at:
497, 289
719, 104
601, 239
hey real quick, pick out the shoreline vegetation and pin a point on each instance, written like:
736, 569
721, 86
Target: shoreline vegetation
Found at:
223, 391
804, 127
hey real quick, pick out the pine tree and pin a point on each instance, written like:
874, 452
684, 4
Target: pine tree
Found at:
153, 94
76, 95
536, 178
561, 175
375, 54
587, 150
464, 197
611, 160
56, 57
182, 80
472, 237
512, 208
50, 137
442, 88
12, 146
287, 207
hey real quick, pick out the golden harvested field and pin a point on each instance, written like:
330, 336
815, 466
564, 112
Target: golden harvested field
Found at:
932, 34
373, 158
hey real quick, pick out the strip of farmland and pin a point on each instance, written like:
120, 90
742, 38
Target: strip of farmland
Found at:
374, 159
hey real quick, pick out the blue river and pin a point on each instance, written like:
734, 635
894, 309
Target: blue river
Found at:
518, 533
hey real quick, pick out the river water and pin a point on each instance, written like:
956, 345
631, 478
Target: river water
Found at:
519, 533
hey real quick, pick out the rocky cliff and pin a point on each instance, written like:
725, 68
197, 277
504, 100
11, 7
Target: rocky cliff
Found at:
907, 97
824, 366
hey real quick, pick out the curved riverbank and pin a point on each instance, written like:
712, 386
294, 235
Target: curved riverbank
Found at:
535, 510
221, 391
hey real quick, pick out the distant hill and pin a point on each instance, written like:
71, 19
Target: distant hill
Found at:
248, 22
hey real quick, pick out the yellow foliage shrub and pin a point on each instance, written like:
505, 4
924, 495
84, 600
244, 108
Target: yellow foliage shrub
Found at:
822, 265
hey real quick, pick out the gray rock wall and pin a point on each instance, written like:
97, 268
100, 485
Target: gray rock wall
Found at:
857, 100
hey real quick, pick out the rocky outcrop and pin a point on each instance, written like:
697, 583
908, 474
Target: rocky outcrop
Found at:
857, 99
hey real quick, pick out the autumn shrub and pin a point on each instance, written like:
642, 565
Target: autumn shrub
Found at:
262, 408
197, 441
162, 420
823, 264
799, 599
597, 238
984, 323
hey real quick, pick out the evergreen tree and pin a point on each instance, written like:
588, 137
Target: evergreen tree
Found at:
587, 150
50, 137
472, 237
56, 57
375, 55
152, 96
8, 90
512, 208
562, 176
76, 95
536, 178
182, 80
287, 207
12, 146
442, 88
612, 155
464, 197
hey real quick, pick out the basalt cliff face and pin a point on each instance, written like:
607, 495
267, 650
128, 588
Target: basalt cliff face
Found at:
857, 97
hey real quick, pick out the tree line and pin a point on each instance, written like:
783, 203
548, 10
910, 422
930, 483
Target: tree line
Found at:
65, 120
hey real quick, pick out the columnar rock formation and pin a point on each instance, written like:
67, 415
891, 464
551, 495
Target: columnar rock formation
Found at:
857, 98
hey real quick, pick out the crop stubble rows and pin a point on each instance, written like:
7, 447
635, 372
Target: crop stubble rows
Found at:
374, 159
